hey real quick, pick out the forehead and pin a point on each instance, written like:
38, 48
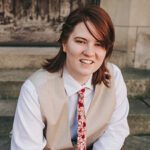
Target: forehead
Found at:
82, 31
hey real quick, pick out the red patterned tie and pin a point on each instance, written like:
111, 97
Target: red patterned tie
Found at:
81, 140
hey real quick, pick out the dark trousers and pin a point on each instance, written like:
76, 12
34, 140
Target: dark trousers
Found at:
90, 147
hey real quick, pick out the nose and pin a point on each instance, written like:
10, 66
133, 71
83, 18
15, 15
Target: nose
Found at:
88, 51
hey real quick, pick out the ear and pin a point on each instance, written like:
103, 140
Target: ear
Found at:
64, 47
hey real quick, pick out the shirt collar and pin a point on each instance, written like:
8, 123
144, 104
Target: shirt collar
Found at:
72, 86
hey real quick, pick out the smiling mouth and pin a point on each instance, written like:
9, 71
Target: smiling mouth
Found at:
85, 61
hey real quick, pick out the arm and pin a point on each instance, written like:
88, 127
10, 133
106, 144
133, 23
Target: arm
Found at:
27, 133
118, 129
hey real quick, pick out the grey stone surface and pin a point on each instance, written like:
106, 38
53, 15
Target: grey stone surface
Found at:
132, 35
137, 143
116, 59
142, 55
121, 41
130, 24
24, 57
7, 107
115, 9
5, 125
138, 82
147, 101
139, 117
15, 74
131, 143
139, 18
11, 81
138, 107
5, 143
136, 87
10, 90
139, 124
130, 57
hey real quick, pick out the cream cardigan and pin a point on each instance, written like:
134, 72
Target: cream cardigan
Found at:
54, 109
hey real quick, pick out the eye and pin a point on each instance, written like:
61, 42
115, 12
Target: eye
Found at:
98, 44
80, 41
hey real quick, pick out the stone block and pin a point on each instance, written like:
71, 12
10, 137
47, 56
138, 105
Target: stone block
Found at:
137, 81
11, 81
7, 107
139, 13
119, 58
142, 54
130, 57
6, 125
121, 41
139, 117
25, 57
132, 36
143, 30
118, 10
139, 124
5, 142
141, 142
138, 87
10, 90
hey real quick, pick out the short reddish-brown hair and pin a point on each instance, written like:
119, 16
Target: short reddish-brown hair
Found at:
105, 29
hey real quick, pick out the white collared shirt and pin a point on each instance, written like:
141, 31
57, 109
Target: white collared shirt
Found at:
71, 88
28, 125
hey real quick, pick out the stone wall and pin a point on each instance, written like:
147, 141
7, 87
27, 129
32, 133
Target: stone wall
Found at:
38, 22
34, 22
132, 24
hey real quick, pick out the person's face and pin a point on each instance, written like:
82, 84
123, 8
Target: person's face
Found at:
84, 54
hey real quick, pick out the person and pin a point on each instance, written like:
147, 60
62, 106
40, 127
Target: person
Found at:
48, 113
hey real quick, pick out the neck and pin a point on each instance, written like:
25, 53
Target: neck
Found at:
80, 79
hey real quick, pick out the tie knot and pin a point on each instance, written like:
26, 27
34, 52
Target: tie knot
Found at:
81, 93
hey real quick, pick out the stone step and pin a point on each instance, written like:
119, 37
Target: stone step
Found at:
5, 125
7, 108
11, 81
139, 116
138, 82
5, 143
139, 122
32, 57
141, 142
24, 57
131, 143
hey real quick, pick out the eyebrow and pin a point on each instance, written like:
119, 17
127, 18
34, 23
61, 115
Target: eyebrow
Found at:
78, 37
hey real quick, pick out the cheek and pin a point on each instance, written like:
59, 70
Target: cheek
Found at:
73, 50
104, 54
101, 54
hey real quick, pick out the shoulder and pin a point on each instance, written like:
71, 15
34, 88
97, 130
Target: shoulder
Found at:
118, 78
42, 76
115, 71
